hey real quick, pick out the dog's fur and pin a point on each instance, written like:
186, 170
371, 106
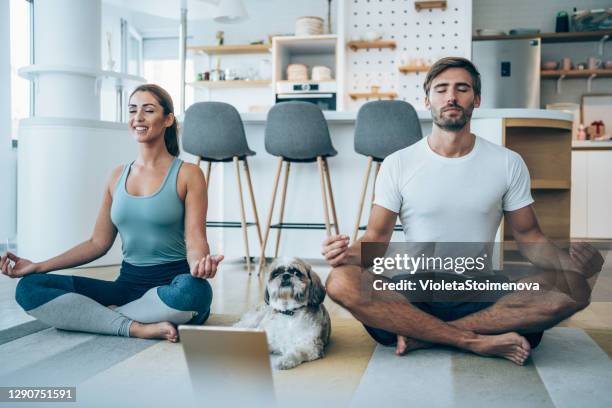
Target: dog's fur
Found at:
295, 320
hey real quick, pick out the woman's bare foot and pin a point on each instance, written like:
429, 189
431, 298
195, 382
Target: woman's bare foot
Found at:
511, 346
161, 330
406, 344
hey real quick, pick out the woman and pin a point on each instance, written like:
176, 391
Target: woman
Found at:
158, 205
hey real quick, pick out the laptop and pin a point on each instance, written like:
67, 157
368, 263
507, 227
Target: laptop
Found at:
228, 366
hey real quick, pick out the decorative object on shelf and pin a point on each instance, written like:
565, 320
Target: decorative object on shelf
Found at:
550, 65
297, 72
372, 35
608, 65
219, 37
357, 45
582, 134
309, 25
596, 129
424, 5
566, 64
489, 31
374, 93
562, 22
593, 63
110, 63
524, 31
321, 73
592, 20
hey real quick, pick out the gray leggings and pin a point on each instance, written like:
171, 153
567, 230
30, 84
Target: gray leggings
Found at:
149, 294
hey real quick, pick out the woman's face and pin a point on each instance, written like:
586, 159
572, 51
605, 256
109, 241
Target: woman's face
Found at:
147, 121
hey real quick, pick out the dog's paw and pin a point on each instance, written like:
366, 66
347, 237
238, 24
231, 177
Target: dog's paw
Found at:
284, 363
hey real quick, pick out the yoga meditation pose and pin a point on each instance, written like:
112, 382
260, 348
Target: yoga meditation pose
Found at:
453, 186
158, 205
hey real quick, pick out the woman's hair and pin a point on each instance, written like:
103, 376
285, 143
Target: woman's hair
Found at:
165, 100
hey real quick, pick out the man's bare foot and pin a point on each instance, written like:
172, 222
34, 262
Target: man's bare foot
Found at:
511, 346
161, 330
406, 344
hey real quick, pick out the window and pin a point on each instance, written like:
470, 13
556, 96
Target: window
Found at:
21, 56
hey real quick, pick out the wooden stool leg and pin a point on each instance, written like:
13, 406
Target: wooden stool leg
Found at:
364, 188
250, 184
262, 257
208, 169
374, 183
282, 208
245, 235
323, 195
331, 196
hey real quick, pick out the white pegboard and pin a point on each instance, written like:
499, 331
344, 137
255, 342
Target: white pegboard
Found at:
428, 35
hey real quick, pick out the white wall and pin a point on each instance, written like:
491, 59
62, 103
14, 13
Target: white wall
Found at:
7, 197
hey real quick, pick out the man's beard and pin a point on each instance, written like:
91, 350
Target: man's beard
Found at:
453, 124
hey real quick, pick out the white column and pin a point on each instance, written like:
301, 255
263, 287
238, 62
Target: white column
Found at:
67, 35
7, 197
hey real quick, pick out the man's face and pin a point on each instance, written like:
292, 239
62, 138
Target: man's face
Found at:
451, 99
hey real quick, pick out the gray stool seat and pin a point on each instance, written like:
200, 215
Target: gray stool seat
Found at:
214, 132
297, 132
383, 127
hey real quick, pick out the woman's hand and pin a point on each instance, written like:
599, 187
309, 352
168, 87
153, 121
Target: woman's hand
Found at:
206, 268
15, 267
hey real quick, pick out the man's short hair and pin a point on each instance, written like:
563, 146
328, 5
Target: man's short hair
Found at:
453, 62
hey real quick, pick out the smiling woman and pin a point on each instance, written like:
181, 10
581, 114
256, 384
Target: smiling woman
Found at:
157, 204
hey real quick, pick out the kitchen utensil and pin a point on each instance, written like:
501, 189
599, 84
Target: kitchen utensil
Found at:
593, 63
566, 64
309, 25
550, 65
562, 22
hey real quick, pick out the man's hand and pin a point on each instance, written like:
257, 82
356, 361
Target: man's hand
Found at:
15, 267
206, 268
588, 260
335, 250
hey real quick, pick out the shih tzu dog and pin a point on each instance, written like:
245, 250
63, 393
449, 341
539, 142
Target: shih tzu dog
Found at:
295, 320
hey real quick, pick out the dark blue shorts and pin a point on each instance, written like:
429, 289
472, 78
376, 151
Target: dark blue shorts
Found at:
448, 311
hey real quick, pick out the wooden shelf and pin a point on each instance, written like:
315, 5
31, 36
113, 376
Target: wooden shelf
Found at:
405, 69
575, 73
230, 49
357, 45
377, 95
424, 5
550, 184
230, 84
548, 38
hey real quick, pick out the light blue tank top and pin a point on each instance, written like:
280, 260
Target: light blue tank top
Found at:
152, 228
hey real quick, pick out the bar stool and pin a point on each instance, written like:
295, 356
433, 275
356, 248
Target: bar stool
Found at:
297, 132
381, 128
214, 132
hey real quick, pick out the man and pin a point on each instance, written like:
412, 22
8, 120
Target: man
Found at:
453, 186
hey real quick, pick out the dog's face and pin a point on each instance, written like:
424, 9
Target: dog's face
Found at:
291, 284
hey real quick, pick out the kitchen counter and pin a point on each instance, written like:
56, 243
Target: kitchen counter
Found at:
424, 116
591, 145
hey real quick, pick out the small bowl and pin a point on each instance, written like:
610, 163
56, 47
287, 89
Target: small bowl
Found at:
550, 65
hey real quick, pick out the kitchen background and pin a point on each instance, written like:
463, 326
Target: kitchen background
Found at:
144, 46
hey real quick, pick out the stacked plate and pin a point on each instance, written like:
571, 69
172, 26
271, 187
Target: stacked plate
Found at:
309, 26
297, 72
321, 73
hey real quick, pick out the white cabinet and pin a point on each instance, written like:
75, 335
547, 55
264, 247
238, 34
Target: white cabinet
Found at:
592, 194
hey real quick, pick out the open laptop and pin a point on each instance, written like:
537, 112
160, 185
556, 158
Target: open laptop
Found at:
228, 366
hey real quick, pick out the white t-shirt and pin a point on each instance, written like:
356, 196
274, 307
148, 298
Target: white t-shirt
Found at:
442, 199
